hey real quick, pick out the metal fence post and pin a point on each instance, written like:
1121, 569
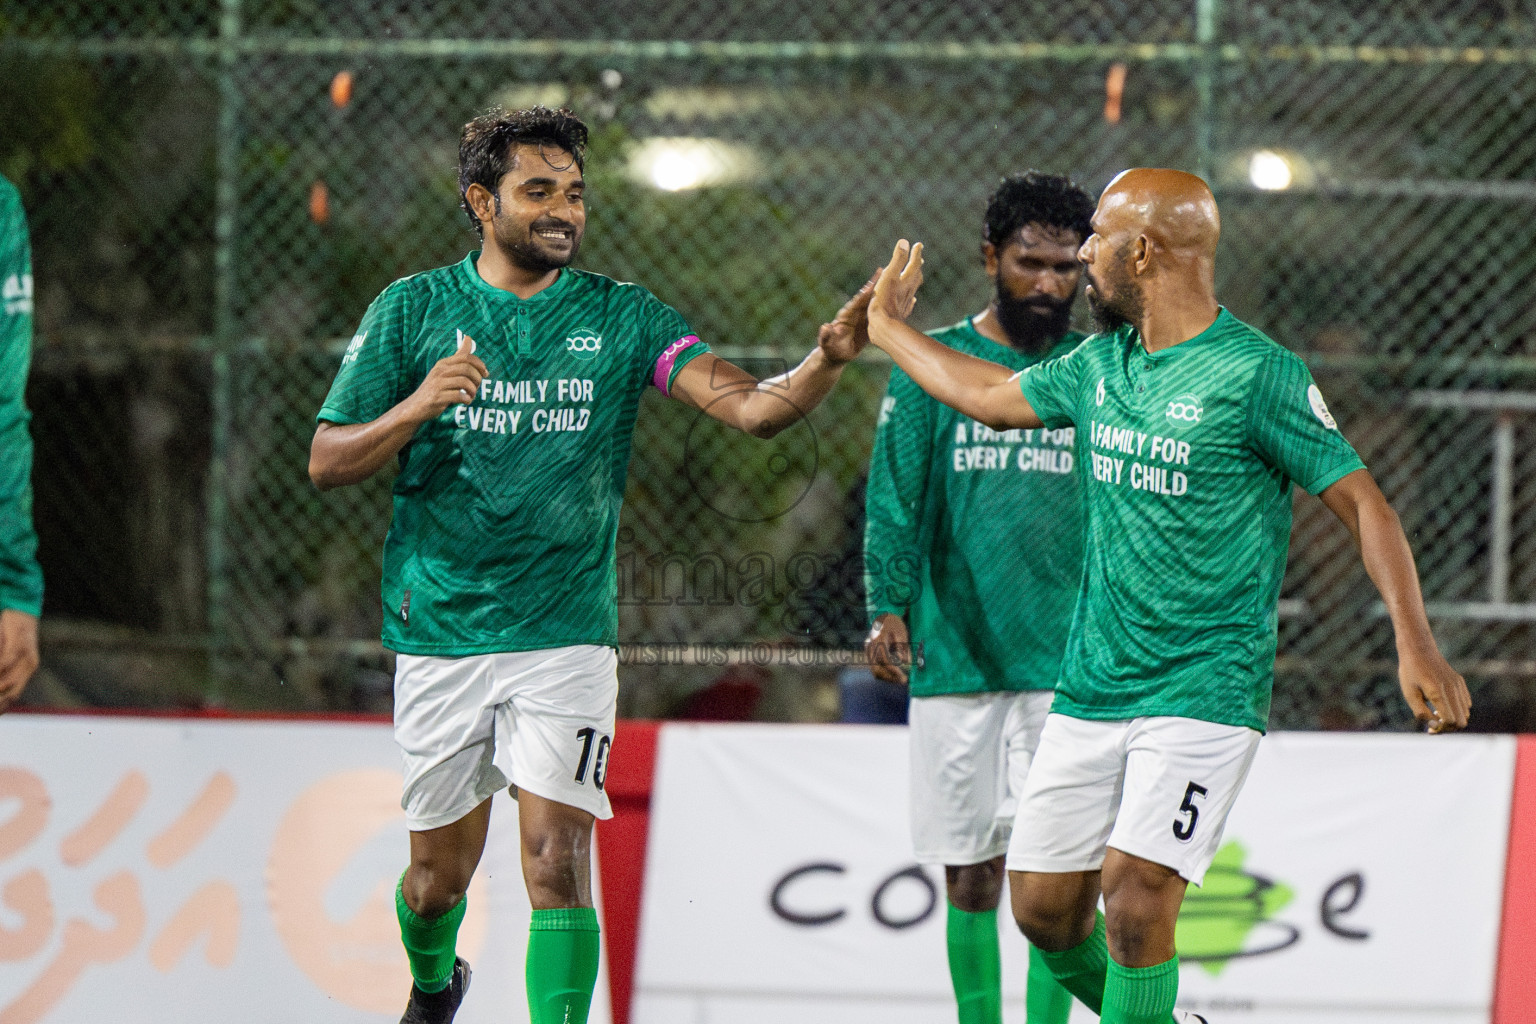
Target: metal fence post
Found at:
225, 329
1206, 13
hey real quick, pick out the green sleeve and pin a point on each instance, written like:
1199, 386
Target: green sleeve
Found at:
895, 497
373, 379
1290, 427
1053, 388
670, 345
21, 579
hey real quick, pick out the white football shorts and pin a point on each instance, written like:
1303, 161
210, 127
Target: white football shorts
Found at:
537, 720
969, 755
1159, 788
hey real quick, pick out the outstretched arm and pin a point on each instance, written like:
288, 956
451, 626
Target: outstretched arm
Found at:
1435, 691
762, 408
975, 387
347, 453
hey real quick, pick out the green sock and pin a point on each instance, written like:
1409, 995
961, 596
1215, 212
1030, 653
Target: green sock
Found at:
562, 965
1081, 969
975, 965
428, 943
1141, 995
1045, 1000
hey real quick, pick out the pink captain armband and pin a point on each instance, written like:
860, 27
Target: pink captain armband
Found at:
668, 359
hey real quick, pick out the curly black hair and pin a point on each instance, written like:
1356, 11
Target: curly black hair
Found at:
487, 141
1037, 198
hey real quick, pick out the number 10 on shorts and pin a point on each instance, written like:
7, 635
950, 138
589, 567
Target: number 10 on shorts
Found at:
1183, 831
599, 762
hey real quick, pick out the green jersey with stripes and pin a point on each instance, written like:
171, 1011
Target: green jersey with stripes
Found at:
1191, 456
974, 535
506, 510
21, 579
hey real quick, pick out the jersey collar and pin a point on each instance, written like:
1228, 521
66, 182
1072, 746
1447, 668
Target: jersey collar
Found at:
1218, 327
476, 283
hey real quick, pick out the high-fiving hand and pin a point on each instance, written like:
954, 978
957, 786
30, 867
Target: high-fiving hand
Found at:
846, 335
896, 289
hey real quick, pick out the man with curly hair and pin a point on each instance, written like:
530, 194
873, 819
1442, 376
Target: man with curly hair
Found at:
974, 553
507, 386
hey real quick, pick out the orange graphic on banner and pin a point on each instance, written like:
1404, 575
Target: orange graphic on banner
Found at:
183, 834
27, 895
119, 808
31, 817
213, 910
359, 961
83, 945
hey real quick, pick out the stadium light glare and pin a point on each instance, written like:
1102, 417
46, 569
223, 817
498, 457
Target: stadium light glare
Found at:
678, 164
673, 170
1269, 171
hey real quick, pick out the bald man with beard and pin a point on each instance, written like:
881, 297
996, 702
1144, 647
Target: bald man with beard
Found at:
1195, 427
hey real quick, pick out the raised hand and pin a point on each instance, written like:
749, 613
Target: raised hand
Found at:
453, 380
1436, 692
846, 335
889, 648
896, 289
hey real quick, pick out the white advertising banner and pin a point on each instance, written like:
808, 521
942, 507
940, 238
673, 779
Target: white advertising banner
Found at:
184, 871
1359, 879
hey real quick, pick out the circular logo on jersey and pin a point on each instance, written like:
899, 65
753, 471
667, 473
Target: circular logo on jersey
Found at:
584, 343
1320, 407
1098, 396
1185, 409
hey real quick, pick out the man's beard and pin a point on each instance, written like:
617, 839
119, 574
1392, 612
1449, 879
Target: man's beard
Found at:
1113, 314
1028, 328
527, 254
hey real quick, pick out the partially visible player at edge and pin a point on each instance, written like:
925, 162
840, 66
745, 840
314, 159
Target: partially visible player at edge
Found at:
507, 385
973, 555
21, 579
1197, 426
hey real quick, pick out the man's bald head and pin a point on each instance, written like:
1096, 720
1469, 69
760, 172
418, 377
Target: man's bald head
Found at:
1174, 209
1153, 246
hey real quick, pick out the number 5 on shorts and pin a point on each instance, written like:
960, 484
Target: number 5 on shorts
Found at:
1185, 831
600, 764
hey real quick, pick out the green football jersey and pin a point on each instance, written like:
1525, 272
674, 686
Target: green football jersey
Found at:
506, 510
1192, 452
21, 579
975, 536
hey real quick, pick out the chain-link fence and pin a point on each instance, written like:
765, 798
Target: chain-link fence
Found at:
216, 192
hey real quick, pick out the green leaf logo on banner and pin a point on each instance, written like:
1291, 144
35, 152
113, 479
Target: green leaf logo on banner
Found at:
1229, 917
